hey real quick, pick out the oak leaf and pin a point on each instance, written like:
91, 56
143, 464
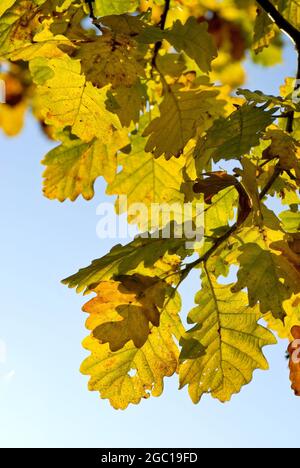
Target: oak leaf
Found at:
227, 328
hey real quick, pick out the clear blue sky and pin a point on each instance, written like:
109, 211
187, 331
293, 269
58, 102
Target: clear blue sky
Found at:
43, 398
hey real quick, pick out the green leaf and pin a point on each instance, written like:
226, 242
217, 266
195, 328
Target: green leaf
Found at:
147, 256
258, 97
264, 31
160, 179
114, 7
235, 136
69, 100
127, 103
182, 113
193, 39
228, 330
291, 221
268, 274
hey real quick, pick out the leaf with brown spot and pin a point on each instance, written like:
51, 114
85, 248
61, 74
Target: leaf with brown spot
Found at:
130, 305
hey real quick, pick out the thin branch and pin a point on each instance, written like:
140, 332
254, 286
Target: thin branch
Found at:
290, 119
281, 22
92, 14
284, 25
210, 252
294, 34
270, 183
186, 271
162, 25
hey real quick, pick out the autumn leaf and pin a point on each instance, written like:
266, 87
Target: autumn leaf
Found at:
213, 184
182, 113
130, 374
127, 102
119, 60
227, 328
130, 304
192, 38
103, 8
144, 94
294, 364
264, 31
161, 180
292, 318
273, 279
73, 167
235, 136
146, 256
291, 11
69, 100
6, 4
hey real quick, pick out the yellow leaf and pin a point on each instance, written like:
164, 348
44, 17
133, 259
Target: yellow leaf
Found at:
5, 5
264, 31
227, 327
114, 59
12, 118
73, 167
284, 147
130, 374
183, 112
292, 318
13, 111
160, 181
268, 269
129, 304
69, 100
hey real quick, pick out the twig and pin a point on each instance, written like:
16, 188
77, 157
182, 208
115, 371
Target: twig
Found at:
294, 34
290, 121
92, 14
281, 22
162, 25
186, 271
270, 183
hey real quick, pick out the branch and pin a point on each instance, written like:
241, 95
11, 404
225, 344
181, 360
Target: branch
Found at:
291, 115
186, 271
288, 28
210, 252
92, 14
281, 22
162, 25
294, 34
270, 183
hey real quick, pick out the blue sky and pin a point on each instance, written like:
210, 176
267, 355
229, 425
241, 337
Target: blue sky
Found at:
43, 398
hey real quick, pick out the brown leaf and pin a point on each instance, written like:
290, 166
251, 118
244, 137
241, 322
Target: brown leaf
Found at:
294, 364
213, 184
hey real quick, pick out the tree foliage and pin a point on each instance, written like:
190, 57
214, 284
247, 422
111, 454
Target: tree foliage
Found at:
148, 94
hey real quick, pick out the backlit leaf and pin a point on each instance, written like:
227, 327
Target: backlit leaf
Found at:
130, 374
227, 328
